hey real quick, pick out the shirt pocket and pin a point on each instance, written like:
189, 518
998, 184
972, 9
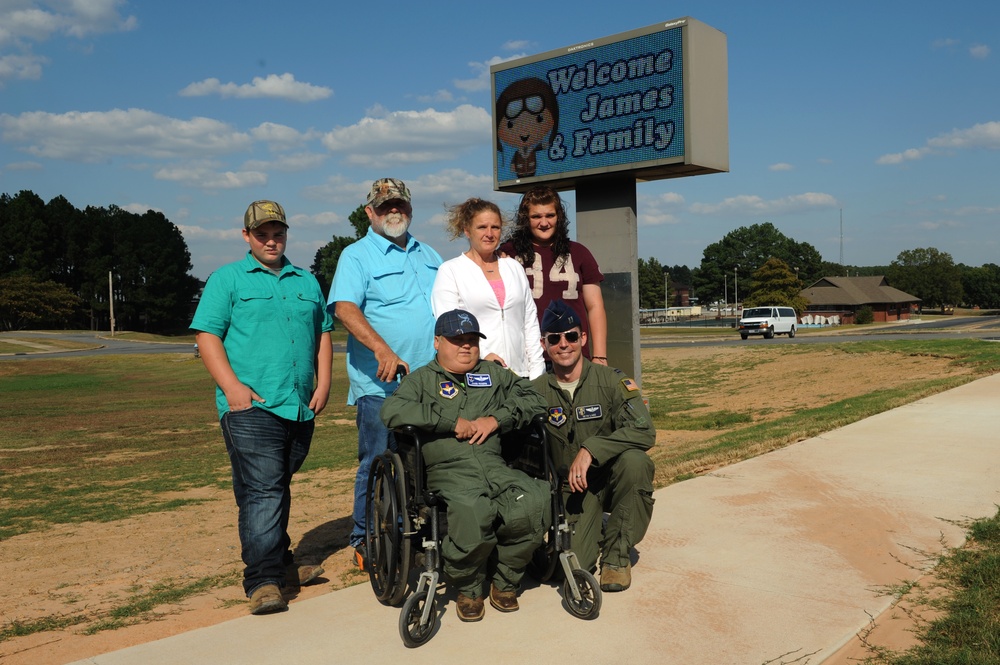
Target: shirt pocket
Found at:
390, 285
255, 305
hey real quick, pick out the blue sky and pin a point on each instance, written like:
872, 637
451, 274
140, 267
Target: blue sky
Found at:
888, 111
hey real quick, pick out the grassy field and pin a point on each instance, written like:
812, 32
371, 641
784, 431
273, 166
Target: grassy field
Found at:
100, 439
104, 438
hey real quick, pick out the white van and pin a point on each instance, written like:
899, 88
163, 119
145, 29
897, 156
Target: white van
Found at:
767, 321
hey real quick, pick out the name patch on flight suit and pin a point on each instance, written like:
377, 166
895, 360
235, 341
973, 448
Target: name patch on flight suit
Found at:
591, 412
478, 380
448, 390
557, 417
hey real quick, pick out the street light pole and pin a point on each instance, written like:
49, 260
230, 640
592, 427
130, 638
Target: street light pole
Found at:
736, 288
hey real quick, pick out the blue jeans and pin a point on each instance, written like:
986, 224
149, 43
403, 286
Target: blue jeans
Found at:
264, 451
373, 439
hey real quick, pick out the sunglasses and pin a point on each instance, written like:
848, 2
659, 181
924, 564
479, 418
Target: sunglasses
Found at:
572, 337
516, 107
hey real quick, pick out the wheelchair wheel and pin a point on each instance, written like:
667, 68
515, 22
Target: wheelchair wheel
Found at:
387, 525
589, 605
410, 630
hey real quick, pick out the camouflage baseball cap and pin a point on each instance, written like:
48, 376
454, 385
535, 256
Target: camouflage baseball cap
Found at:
386, 189
261, 212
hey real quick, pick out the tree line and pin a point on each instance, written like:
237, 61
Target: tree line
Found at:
766, 267
56, 261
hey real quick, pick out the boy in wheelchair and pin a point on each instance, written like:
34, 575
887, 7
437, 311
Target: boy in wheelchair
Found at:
497, 516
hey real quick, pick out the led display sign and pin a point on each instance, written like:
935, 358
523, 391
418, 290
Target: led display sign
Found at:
651, 102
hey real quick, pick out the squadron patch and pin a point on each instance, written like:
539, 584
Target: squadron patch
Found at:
448, 390
630, 385
591, 412
478, 380
557, 417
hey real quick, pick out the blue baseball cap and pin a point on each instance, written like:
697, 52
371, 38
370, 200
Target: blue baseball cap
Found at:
559, 317
457, 322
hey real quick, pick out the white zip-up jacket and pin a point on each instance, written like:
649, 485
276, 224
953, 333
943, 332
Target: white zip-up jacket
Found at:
512, 331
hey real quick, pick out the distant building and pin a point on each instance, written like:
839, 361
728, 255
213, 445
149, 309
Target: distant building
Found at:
844, 296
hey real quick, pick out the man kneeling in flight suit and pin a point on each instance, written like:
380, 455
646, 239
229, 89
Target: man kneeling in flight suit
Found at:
600, 429
497, 516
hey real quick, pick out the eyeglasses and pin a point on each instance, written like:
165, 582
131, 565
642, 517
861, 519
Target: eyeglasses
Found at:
572, 337
534, 104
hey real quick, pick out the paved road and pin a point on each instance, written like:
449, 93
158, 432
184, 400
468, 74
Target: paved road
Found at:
100, 343
963, 327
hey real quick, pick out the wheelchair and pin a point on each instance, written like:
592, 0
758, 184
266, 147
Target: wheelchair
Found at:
405, 527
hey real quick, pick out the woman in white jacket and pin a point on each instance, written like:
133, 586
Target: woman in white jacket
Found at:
495, 290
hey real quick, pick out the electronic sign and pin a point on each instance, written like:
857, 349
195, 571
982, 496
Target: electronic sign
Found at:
651, 102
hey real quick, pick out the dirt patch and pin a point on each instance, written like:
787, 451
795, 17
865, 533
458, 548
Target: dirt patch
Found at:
84, 570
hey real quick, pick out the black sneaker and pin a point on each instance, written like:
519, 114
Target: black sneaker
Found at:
361, 556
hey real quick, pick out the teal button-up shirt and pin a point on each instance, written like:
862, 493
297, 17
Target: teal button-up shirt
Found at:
270, 326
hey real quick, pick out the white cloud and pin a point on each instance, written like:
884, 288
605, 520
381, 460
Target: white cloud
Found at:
24, 23
516, 45
661, 209
410, 137
984, 136
441, 96
482, 69
200, 233
947, 42
204, 176
781, 166
287, 163
979, 51
282, 137
273, 86
24, 166
139, 208
97, 136
755, 206
24, 67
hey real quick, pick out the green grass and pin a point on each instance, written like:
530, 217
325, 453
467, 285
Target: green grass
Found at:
104, 438
142, 606
966, 630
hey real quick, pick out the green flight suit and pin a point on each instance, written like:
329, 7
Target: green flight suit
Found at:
493, 510
607, 416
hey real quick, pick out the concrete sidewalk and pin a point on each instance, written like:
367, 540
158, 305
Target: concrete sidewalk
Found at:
774, 560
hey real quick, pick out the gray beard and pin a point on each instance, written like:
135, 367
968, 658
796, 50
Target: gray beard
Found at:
395, 225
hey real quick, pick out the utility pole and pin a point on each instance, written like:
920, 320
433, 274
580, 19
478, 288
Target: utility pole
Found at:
736, 289
111, 303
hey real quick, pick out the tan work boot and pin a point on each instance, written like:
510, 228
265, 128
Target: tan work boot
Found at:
470, 609
505, 601
616, 578
298, 575
267, 599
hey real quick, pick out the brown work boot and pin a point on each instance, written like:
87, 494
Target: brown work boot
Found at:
469, 609
299, 575
616, 578
267, 599
505, 601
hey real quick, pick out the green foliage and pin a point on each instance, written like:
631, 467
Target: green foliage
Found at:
981, 286
146, 255
929, 274
324, 265
775, 284
25, 301
742, 252
864, 315
651, 284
